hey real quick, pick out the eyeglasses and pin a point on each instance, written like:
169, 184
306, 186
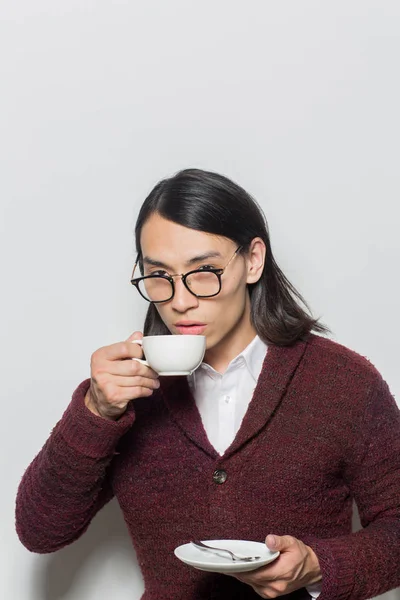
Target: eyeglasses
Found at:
202, 283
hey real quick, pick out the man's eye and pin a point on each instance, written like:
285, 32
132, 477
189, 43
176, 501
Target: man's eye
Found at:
159, 273
206, 268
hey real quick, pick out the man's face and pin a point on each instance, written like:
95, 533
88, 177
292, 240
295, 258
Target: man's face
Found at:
174, 247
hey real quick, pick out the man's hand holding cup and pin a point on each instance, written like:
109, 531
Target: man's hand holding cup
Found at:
116, 379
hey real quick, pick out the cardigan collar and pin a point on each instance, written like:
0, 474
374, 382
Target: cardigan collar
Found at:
278, 370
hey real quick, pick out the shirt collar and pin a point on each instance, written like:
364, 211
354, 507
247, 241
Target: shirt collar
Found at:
252, 357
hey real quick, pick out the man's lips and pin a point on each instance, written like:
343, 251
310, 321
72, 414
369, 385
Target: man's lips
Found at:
190, 327
188, 323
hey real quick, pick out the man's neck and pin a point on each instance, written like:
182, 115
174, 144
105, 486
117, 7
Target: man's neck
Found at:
231, 346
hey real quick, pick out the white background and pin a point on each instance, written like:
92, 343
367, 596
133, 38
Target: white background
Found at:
298, 101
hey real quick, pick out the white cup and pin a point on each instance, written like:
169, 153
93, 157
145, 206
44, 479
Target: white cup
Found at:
172, 354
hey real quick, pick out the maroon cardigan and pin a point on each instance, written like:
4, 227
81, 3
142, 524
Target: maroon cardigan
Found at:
321, 430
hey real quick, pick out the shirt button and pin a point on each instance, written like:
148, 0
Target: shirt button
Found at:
219, 476
227, 399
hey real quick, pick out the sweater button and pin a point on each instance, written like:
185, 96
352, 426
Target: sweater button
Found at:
219, 476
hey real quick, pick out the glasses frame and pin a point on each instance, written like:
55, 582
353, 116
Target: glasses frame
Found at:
218, 272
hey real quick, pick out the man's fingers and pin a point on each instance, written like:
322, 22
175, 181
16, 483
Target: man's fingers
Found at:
279, 542
130, 368
128, 382
128, 393
121, 350
256, 577
137, 335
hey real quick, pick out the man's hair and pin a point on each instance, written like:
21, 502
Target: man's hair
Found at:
212, 203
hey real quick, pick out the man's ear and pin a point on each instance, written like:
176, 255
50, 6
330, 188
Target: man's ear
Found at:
255, 260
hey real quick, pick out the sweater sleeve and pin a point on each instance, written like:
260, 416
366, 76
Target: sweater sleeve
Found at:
367, 563
67, 484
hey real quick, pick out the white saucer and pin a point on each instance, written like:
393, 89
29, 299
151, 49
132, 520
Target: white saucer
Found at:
205, 560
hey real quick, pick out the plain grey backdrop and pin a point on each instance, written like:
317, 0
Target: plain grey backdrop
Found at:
296, 100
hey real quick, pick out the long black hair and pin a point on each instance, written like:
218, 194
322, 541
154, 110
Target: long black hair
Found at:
212, 203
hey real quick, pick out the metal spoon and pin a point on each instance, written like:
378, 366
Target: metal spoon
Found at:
233, 556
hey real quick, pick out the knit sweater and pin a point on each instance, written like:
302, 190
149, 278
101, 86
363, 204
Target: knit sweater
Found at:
321, 430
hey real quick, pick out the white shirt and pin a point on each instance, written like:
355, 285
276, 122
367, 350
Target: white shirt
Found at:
222, 400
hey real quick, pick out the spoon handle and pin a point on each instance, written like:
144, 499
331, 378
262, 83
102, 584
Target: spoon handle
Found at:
233, 556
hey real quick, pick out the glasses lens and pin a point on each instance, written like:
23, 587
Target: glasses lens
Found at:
203, 283
156, 289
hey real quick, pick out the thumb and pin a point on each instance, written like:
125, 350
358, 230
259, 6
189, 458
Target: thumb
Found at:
137, 335
278, 542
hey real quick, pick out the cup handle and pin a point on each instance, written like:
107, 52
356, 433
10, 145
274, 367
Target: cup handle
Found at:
144, 362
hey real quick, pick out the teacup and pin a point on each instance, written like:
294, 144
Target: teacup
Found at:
172, 354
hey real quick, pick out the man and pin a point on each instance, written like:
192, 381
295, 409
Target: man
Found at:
272, 438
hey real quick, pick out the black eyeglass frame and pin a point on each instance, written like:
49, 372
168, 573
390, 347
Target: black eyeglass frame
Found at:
218, 272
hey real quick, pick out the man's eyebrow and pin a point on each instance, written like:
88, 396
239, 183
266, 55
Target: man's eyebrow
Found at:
202, 257
196, 259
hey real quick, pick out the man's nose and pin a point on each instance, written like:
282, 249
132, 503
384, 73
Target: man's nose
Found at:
183, 299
